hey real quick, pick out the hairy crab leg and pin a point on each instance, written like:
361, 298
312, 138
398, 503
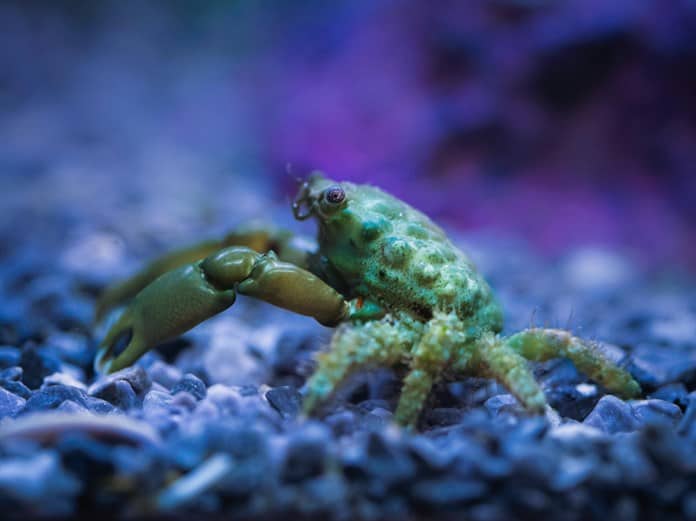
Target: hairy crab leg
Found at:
288, 248
442, 342
505, 364
182, 298
415, 391
372, 343
543, 344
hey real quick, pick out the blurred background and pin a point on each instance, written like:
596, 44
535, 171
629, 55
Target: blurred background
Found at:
561, 124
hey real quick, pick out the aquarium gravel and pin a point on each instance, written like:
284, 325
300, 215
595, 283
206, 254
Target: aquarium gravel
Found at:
209, 424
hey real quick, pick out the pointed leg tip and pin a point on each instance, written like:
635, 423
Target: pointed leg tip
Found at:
633, 390
309, 405
102, 361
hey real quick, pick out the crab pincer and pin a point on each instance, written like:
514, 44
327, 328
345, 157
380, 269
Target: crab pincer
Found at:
180, 299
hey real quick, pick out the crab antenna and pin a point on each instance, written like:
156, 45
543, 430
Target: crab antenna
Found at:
532, 318
289, 172
569, 321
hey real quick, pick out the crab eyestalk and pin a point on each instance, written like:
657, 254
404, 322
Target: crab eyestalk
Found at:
317, 196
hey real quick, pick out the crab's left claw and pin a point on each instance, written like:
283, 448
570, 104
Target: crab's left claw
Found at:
168, 307
180, 299
121, 339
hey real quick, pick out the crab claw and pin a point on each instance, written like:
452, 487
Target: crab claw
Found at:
180, 299
120, 338
165, 309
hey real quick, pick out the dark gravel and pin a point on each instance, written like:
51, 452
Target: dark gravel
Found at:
228, 437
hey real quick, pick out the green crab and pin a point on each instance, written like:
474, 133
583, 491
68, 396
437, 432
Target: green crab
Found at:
398, 290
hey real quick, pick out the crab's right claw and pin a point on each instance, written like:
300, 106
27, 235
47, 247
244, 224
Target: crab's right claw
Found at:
170, 306
180, 299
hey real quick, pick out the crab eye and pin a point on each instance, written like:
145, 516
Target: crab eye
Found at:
335, 195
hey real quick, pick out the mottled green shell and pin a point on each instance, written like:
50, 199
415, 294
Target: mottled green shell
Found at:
387, 251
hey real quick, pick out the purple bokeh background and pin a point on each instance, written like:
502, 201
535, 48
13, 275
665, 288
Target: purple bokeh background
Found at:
563, 123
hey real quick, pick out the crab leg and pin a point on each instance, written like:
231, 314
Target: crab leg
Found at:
511, 369
372, 343
257, 239
182, 298
436, 349
544, 344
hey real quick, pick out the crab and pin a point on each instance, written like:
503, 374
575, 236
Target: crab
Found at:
398, 291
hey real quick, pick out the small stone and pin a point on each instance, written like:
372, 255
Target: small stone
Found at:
136, 376
442, 416
575, 431
637, 467
255, 406
64, 379
9, 356
558, 372
122, 388
342, 422
377, 418
37, 366
10, 404
571, 471
185, 400
40, 483
286, 400
656, 367
12, 373
17, 388
51, 397
387, 462
612, 415
305, 455
241, 440
205, 411
327, 493
503, 404
99, 406
226, 399
192, 385
164, 374
68, 406
427, 455
247, 446
372, 404
656, 411
493, 511
674, 393
156, 402
447, 492
573, 401
121, 394
293, 352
